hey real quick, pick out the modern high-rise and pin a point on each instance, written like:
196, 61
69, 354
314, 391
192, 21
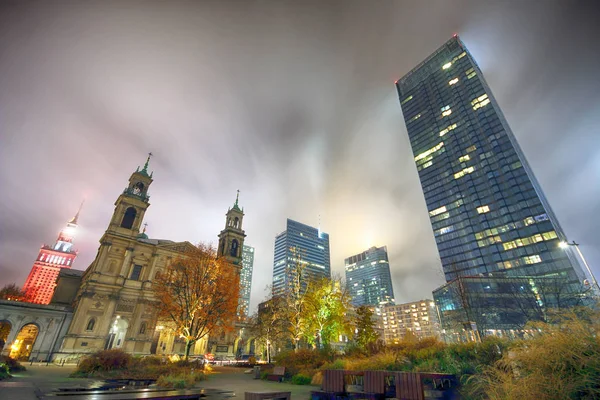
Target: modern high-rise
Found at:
41, 282
488, 213
246, 279
418, 318
302, 246
368, 277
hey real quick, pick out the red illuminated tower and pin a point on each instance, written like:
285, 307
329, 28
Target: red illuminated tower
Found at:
40, 284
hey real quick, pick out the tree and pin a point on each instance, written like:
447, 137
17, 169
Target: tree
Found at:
267, 326
12, 292
198, 294
365, 335
294, 299
326, 306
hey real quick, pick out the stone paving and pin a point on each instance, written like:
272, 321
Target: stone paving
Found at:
40, 378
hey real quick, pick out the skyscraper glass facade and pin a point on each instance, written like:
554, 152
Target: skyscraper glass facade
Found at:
300, 243
488, 213
368, 277
246, 279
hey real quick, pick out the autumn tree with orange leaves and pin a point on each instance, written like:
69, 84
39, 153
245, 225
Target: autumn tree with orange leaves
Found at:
198, 294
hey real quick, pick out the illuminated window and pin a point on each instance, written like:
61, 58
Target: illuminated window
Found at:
549, 235
437, 211
470, 149
430, 151
464, 158
446, 111
533, 259
464, 172
448, 129
483, 209
427, 164
444, 230
481, 101
416, 117
447, 65
409, 98
470, 73
453, 81
462, 55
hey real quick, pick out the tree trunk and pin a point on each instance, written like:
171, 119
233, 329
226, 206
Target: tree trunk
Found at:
188, 347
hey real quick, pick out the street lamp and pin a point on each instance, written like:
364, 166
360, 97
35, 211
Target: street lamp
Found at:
566, 245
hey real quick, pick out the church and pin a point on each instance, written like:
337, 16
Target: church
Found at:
113, 306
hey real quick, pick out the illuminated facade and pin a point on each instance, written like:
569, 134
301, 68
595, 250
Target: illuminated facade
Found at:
246, 279
41, 282
418, 318
368, 277
488, 213
300, 243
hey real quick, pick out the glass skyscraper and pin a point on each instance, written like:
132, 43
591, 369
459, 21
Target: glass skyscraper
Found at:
246, 279
488, 213
304, 244
368, 277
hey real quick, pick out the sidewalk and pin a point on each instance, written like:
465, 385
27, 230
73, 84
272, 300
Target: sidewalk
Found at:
39, 378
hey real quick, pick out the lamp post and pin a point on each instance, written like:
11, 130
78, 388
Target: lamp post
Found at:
566, 245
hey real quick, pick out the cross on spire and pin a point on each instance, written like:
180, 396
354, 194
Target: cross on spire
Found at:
145, 223
237, 197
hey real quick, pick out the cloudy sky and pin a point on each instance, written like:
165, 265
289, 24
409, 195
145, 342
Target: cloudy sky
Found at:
291, 102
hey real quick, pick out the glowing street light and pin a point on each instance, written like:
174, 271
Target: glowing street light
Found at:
565, 245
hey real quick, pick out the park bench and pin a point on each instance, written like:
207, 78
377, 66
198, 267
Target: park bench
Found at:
381, 384
277, 375
267, 395
133, 394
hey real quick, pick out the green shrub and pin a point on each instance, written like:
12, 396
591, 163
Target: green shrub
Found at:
264, 375
300, 379
4, 373
302, 359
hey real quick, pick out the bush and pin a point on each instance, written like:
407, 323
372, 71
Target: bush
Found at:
264, 375
302, 359
12, 364
300, 379
4, 371
251, 360
105, 360
180, 381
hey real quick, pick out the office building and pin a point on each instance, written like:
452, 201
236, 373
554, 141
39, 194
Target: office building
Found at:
488, 213
300, 247
41, 281
246, 279
368, 277
418, 318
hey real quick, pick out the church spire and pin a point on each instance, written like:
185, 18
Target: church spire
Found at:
237, 198
145, 169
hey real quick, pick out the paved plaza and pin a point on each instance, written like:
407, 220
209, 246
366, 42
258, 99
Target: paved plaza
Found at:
40, 378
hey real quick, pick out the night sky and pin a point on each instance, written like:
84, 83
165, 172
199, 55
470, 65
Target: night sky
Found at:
291, 102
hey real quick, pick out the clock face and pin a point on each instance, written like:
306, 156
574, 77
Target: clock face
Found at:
138, 188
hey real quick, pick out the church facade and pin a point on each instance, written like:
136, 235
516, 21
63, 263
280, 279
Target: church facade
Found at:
114, 306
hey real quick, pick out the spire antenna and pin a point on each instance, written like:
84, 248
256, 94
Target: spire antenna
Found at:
76, 217
145, 226
237, 197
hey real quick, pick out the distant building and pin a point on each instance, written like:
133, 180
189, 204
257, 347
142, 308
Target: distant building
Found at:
40, 284
488, 213
368, 277
302, 246
418, 318
246, 279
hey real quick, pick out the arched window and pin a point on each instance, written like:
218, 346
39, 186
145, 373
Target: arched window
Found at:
222, 247
234, 248
91, 324
236, 222
128, 218
142, 328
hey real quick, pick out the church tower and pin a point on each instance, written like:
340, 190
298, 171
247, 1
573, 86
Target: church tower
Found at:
132, 204
231, 239
41, 282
